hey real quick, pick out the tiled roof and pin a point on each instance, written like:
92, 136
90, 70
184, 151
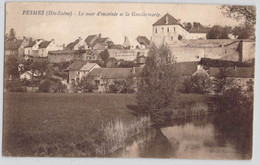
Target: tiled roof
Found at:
118, 46
163, 21
238, 72
44, 44
112, 73
72, 44
88, 66
223, 63
90, 38
13, 45
143, 40
32, 43
77, 65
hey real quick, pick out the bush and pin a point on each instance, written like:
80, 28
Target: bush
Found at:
14, 85
45, 86
196, 84
87, 84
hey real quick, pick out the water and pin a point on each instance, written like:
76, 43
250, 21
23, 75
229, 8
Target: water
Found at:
207, 137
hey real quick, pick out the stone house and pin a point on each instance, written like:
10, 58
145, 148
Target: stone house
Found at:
105, 77
97, 42
76, 45
47, 46
15, 47
33, 48
79, 69
168, 29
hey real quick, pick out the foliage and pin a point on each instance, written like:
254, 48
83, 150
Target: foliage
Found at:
122, 86
111, 63
104, 55
240, 12
187, 25
11, 36
244, 31
11, 66
87, 84
125, 64
14, 85
45, 86
217, 32
157, 86
196, 84
221, 81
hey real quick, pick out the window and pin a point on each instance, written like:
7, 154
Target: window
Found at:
168, 30
171, 37
97, 82
155, 30
162, 29
174, 29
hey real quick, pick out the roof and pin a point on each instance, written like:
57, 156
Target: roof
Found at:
32, 43
143, 40
167, 19
223, 63
72, 44
239, 72
117, 46
88, 66
200, 29
44, 44
186, 68
90, 38
99, 40
112, 73
77, 65
13, 45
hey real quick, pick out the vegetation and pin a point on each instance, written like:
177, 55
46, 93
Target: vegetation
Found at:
87, 84
157, 86
196, 84
104, 55
221, 81
217, 32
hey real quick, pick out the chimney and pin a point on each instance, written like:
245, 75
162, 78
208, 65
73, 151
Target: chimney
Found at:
79, 38
179, 21
99, 35
63, 45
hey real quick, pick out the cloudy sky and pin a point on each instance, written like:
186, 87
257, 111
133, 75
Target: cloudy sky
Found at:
65, 29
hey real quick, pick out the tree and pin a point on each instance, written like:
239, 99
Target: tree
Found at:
104, 55
196, 84
248, 13
11, 36
45, 86
87, 84
217, 32
111, 63
157, 86
187, 25
245, 31
221, 81
11, 66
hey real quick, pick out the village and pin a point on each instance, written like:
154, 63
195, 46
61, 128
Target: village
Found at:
115, 68
154, 84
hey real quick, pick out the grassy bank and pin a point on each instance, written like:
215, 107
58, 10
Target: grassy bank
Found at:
38, 124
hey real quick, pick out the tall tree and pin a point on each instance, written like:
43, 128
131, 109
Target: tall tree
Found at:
243, 31
11, 35
248, 13
157, 87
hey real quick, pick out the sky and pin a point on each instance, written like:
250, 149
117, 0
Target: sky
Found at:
65, 29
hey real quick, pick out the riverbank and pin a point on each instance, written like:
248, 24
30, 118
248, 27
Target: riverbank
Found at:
38, 124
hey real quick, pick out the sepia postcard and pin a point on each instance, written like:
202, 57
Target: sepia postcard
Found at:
128, 80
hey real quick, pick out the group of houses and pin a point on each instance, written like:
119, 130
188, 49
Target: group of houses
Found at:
193, 53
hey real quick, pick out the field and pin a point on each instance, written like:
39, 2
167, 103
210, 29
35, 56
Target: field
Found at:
34, 120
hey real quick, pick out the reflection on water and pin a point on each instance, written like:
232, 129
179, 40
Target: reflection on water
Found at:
207, 137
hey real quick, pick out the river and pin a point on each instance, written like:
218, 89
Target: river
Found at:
204, 137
